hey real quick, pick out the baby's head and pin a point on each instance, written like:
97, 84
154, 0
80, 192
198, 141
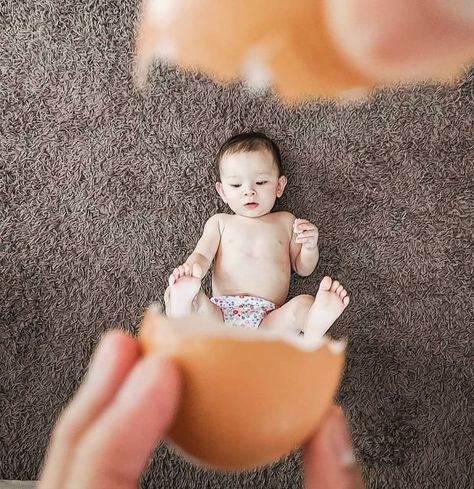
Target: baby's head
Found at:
250, 174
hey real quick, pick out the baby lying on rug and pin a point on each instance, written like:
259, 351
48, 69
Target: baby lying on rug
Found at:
254, 251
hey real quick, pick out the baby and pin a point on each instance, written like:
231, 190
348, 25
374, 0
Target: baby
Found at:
254, 251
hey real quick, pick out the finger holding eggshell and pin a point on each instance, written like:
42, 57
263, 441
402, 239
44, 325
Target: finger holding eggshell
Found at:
249, 397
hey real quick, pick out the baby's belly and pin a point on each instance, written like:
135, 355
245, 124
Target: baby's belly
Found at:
270, 281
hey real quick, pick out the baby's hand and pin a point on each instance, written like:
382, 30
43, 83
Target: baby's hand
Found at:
307, 233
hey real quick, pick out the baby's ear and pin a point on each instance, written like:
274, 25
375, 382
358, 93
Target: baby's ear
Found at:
282, 181
220, 191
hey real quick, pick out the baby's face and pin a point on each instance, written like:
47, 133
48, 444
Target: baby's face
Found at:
250, 183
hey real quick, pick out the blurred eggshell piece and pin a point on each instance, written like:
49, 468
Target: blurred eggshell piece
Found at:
283, 44
249, 396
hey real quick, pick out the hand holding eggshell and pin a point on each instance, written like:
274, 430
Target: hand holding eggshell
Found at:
309, 48
126, 404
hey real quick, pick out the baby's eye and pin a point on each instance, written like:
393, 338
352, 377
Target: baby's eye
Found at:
235, 185
261, 183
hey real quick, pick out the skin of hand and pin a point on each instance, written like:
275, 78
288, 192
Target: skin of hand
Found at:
307, 233
405, 40
107, 433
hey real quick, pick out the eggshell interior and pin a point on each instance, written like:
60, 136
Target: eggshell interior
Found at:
249, 397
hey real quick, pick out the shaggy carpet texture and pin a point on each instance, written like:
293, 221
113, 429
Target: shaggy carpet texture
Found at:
105, 190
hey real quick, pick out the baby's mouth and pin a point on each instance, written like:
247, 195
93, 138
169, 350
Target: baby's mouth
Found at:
251, 205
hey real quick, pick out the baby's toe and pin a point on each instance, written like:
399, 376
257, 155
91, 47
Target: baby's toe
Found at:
334, 286
345, 301
325, 283
339, 289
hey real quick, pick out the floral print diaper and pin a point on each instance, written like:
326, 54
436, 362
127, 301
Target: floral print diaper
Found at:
243, 310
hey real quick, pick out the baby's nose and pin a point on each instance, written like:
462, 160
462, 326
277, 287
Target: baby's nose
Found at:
249, 191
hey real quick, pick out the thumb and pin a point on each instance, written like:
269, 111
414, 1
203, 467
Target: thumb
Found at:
116, 449
328, 459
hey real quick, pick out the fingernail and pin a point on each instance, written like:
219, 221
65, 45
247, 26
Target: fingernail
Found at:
155, 307
347, 458
101, 359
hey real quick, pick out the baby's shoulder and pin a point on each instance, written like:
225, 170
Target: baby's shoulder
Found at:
218, 220
285, 220
222, 217
285, 217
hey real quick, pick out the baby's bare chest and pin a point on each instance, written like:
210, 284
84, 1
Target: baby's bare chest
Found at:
268, 241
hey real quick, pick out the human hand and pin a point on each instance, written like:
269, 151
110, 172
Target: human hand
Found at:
328, 460
367, 43
307, 233
405, 40
106, 434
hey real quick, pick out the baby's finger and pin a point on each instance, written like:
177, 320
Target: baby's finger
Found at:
308, 234
116, 449
306, 226
112, 361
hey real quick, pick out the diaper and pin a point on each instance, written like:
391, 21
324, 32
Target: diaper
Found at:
243, 310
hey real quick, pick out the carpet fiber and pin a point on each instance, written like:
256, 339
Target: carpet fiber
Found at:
104, 190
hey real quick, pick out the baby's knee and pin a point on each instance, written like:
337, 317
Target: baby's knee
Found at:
304, 301
300, 307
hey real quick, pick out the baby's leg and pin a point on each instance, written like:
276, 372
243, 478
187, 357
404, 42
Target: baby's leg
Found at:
184, 296
330, 302
312, 316
290, 317
184, 286
205, 307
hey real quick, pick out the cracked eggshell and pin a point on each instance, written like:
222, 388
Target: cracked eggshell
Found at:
249, 396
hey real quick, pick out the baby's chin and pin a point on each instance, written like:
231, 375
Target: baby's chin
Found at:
251, 212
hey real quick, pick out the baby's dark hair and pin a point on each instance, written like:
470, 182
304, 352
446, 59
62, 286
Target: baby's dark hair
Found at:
247, 142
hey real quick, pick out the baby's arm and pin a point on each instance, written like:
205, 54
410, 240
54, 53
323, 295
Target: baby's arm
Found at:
304, 251
207, 245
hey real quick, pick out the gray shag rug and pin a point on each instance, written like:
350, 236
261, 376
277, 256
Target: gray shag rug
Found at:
104, 190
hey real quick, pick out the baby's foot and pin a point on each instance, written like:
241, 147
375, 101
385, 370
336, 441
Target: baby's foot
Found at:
328, 305
184, 285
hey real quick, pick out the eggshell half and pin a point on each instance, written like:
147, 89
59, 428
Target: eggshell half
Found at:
249, 397
228, 39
